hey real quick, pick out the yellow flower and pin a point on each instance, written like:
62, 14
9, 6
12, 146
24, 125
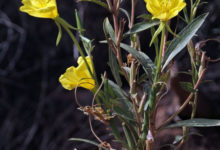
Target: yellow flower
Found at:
40, 8
164, 9
78, 77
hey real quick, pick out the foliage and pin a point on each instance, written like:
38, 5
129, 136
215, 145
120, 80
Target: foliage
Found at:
136, 109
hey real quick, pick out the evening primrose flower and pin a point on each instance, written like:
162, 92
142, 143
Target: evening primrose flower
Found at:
40, 8
164, 9
78, 77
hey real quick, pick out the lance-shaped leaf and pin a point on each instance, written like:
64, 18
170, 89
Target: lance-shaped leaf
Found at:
121, 96
196, 123
108, 29
127, 14
145, 61
157, 32
125, 110
78, 22
59, 33
178, 43
124, 113
139, 27
87, 43
114, 67
109, 33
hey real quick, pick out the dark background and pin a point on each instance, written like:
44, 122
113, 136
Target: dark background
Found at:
36, 113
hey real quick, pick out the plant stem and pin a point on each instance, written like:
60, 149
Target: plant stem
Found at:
58, 19
184, 104
132, 13
153, 90
162, 47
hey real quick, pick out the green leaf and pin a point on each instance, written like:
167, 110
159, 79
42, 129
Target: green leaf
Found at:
121, 96
108, 94
178, 43
108, 29
115, 131
145, 61
126, 13
127, 70
139, 27
78, 22
114, 67
146, 105
98, 2
88, 141
130, 141
145, 16
59, 33
125, 110
198, 122
124, 113
156, 43
64, 22
157, 32
187, 86
178, 138
170, 30
87, 44
185, 15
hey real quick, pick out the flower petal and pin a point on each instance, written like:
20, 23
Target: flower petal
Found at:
40, 8
164, 9
78, 77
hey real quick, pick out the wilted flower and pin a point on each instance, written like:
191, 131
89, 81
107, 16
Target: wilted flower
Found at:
78, 77
40, 8
164, 9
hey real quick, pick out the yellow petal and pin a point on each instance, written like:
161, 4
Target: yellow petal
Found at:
164, 9
78, 77
40, 8
69, 80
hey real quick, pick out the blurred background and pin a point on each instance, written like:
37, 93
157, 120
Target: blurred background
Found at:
36, 113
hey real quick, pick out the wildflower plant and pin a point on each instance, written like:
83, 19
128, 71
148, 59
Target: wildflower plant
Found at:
131, 114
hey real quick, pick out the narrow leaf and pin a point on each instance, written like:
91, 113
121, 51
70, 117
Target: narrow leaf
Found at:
62, 21
145, 61
139, 27
121, 96
145, 16
114, 67
87, 44
127, 70
170, 30
198, 122
59, 33
124, 113
78, 22
115, 131
131, 143
108, 29
126, 13
178, 43
157, 32
178, 138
